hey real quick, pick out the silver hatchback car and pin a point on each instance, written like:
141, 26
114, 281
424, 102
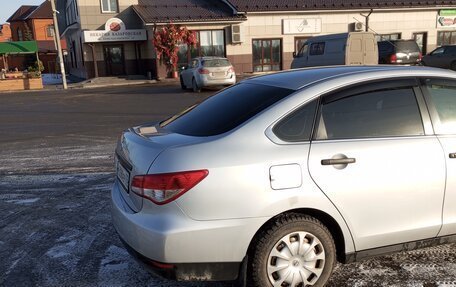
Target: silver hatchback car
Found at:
282, 175
206, 72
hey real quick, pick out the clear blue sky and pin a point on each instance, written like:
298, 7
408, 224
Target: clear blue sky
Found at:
8, 7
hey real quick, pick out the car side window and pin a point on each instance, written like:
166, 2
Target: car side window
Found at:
443, 96
450, 50
303, 50
317, 48
438, 51
297, 126
373, 114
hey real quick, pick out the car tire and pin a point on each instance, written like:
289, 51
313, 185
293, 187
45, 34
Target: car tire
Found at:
301, 241
195, 87
453, 66
183, 86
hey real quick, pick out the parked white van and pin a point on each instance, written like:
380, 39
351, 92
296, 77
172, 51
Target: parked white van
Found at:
354, 48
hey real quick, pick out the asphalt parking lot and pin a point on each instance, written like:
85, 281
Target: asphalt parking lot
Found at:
56, 170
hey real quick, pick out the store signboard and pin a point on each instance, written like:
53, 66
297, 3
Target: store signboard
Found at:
115, 31
447, 12
446, 21
301, 26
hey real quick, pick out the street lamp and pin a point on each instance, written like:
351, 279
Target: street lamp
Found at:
59, 45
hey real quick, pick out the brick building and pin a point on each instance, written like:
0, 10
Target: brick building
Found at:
5, 33
34, 23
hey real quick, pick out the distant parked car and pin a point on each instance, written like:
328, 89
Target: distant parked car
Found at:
399, 52
442, 57
207, 71
278, 177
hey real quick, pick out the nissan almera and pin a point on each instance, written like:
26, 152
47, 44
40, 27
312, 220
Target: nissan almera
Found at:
278, 177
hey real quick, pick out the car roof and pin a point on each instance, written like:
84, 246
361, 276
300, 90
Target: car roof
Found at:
210, 58
300, 78
398, 40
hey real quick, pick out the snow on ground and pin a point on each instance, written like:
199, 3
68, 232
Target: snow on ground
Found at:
53, 79
83, 155
55, 230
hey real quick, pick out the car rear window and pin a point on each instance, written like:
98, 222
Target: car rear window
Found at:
407, 46
385, 47
216, 63
225, 110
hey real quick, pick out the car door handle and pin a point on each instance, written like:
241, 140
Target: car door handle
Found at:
337, 161
453, 155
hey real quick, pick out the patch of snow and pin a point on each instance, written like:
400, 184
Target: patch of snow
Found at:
23, 201
61, 250
114, 266
51, 79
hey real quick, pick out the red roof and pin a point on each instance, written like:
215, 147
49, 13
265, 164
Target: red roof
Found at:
25, 12
304, 5
44, 11
160, 11
22, 13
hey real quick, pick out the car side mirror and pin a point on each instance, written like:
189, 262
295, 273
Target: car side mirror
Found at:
294, 54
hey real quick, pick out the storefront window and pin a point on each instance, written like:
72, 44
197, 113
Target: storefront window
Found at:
267, 55
446, 38
209, 43
388, 37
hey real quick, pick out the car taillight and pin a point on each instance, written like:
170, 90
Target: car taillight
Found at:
203, 71
420, 57
393, 58
231, 70
166, 187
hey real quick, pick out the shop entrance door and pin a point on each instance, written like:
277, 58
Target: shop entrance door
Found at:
114, 58
421, 40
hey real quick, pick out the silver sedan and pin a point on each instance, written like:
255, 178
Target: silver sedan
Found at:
207, 71
280, 176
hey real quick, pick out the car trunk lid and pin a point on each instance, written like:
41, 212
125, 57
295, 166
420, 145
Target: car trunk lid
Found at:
136, 151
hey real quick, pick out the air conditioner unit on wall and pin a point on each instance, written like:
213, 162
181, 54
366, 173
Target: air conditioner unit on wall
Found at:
359, 26
236, 34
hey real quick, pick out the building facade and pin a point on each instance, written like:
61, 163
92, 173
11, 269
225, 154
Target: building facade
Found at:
5, 33
102, 38
259, 36
34, 23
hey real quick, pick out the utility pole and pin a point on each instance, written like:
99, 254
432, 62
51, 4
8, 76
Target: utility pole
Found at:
367, 19
59, 45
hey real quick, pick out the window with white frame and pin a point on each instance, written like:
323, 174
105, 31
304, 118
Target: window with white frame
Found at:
109, 6
50, 30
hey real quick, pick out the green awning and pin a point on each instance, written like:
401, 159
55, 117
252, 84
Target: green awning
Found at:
21, 47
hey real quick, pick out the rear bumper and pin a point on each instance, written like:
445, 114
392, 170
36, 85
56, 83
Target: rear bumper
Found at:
206, 82
198, 250
188, 271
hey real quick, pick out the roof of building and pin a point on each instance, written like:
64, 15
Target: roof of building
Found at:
299, 5
159, 11
25, 12
22, 13
44, 11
